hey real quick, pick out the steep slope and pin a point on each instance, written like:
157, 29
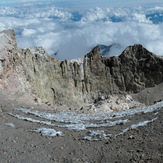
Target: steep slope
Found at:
79, 81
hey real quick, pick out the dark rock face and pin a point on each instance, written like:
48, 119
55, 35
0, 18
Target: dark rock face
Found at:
135, 69
79, 81
145, 68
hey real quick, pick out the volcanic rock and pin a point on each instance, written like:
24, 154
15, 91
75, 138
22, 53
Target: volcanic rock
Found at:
79, 81
1, 113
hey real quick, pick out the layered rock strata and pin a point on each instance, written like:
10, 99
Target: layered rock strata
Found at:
76, 82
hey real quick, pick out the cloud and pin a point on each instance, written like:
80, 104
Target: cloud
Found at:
94, 15
73, 34
28, 32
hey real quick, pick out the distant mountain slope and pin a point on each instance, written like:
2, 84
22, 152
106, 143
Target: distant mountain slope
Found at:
110, 50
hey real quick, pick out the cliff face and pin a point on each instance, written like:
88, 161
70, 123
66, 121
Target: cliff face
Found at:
78, 81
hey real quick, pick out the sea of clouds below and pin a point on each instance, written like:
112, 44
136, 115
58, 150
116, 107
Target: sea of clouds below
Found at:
72, 34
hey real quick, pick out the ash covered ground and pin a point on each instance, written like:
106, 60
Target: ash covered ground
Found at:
30, 132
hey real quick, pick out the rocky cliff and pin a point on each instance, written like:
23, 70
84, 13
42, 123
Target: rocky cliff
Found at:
78, 81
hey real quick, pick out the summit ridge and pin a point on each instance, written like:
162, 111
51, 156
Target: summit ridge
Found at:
76, 82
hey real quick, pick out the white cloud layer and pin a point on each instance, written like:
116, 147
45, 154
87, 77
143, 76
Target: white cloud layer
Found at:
74, 33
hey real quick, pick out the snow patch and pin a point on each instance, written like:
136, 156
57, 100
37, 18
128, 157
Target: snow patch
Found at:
145, 109
97, 135
31, 119
10, 124
80, 62
48, 132
134, 126
155, 113
80, 122
107, 123
76, 127
74, 118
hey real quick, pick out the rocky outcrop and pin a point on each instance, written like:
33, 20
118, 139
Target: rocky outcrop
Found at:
78, 81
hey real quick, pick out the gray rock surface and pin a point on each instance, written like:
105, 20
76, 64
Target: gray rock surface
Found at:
1, 113
76, 82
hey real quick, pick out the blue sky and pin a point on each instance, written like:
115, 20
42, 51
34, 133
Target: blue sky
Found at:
89, 3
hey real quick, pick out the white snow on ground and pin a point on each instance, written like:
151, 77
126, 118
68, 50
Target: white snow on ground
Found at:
71, 117
76, 127
73, 126
108, 123
155, 113
31, 120
134, 126
79, 122
81, 126
97, 135
48, 132
10, 124
100, 134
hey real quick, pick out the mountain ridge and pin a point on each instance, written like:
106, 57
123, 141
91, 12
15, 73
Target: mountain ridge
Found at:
75, 83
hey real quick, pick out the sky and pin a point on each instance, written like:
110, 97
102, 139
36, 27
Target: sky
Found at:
90, 3
71, 28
